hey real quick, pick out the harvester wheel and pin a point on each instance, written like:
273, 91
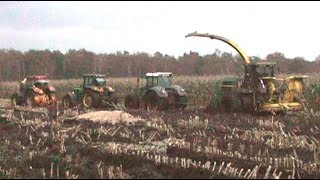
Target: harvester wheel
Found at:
66, 102
132, 101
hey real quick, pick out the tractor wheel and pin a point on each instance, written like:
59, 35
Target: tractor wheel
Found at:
52, 98
90, 100
151, 101
182, 106
154, 102
247, 103
226, 103
114, 99
172, 99
14, 100
66, 102
30, 102
132, 102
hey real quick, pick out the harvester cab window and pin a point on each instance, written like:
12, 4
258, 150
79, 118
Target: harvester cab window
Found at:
264, 71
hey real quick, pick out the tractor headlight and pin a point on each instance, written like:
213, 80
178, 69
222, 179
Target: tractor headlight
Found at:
111, 89
163, 91
182, 90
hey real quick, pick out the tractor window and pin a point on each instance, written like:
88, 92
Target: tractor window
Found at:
149, 81
41, 84
165, 81
155, 81
88, 81
100, 81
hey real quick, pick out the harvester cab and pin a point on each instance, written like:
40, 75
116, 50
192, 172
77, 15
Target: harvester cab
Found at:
259, 90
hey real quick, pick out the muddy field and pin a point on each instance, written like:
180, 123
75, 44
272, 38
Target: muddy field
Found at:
148, 144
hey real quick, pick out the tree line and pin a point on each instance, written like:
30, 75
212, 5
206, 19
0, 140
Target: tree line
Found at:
15, 65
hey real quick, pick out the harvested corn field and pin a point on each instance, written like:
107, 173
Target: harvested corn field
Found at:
151, 144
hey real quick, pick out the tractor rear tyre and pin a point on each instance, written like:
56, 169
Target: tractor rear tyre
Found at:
114, 99
52, 98
14, 100
30, 101
132, 102
154, 102
66, 102
173, 100
90, 100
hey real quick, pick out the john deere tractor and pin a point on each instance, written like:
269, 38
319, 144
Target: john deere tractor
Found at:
158, 93
258, 90
95, 92
34, 91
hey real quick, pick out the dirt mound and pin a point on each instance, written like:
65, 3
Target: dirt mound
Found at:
112, 117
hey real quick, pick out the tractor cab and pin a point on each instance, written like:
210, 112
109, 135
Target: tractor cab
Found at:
162, 79
96, 82
37, 81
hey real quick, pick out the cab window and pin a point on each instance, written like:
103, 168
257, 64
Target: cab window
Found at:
155, 81
88, 81
149, 81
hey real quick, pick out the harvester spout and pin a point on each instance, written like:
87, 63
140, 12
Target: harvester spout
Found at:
234, 45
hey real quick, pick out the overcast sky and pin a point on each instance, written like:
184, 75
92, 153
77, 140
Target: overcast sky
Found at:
259, 28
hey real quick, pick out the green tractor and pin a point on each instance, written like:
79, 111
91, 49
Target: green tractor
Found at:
158, 93
259, 90
35, 91
95, 92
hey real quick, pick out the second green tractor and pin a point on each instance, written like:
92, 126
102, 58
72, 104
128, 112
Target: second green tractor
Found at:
95, 92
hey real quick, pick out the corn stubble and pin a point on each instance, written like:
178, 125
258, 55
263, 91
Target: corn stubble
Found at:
163, 145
